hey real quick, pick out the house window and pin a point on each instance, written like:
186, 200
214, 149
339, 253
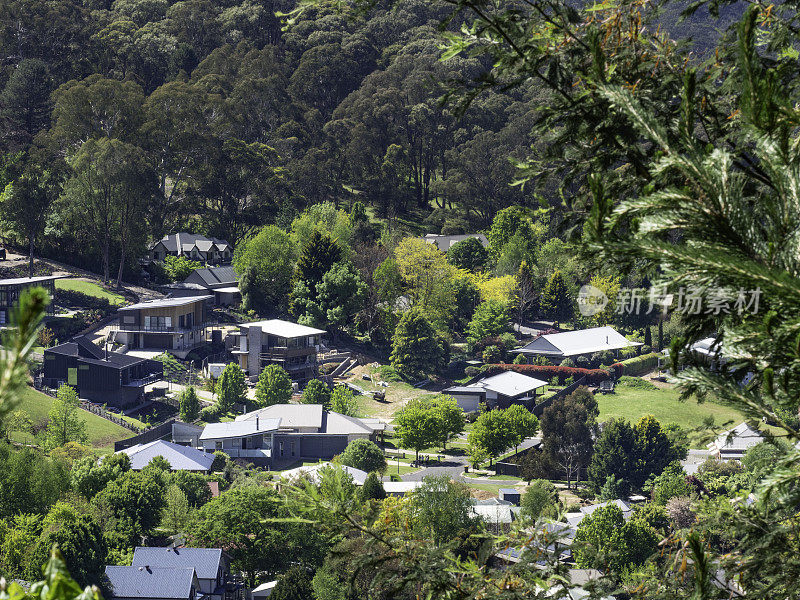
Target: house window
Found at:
129, 319
292, 448
2, 317
218, 445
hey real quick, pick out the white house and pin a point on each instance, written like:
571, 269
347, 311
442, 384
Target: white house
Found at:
576, 343
498, 391
732, 444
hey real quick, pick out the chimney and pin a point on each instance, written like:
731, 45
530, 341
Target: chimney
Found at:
148, 569
256, 422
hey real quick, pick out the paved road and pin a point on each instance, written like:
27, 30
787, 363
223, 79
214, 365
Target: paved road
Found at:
454, 466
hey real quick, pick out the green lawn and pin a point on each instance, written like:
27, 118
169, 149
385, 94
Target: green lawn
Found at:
632, 403
89, 288
500, 477
102, 433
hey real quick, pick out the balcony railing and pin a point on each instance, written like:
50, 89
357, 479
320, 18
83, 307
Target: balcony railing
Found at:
144, 381
151, 329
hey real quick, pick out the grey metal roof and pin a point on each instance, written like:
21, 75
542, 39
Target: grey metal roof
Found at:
180, 458
573, 343
510, 383
88, 352
206, 562
166, 302
235, 429
214, 276
147, 581
292, 416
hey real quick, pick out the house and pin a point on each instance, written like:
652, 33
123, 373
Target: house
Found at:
512, 495
498, 391
574, 518
314, 473
210, 565
150, 582
99, 375
732, 444
180, 458
400, 488
10, 290
192, 246
186, 434
445, 242
290, 345
584, 342
309, 431
175, 324
252, 439
221, 282
497, 514
264, 590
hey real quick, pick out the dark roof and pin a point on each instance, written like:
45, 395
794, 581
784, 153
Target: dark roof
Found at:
145, 581
90, 353
216, 275
205, 561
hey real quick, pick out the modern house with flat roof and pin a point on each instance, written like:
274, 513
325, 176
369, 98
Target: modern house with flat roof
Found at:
558, 346
192, 246
99, 375
180, 458
290, 345
175, 324
498, 391
10, 290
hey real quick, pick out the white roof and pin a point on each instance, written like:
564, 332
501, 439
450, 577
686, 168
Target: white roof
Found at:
227, 290
704, 346
285, 329
291, 416
494, 513
313, 472
180, 458
166, 302
39, 279
265, 586
583, 341
509, 383
737, 440
400, 487
235, 429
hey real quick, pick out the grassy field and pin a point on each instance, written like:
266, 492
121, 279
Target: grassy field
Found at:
632, 404
89, 288
397, 394
102, 433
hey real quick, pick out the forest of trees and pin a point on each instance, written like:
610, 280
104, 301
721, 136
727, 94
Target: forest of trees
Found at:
126, 120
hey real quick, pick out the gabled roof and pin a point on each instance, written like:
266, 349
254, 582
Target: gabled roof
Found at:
737, 440
90, 353
187, 241
510, 383
149, 581
180, 458
215, 276
206, 562
573, 343
166, 302
312, 472
445, 242
284, 329
236, 429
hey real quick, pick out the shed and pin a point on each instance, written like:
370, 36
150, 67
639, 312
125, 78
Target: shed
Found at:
510, 495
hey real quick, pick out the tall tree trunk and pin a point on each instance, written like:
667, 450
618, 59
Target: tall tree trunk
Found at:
30, 254
121, 261
105, 259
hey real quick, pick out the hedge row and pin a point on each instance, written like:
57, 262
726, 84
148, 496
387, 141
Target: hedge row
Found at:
593, 376
638, 365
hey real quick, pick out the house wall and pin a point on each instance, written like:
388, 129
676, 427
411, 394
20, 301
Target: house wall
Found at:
299, 445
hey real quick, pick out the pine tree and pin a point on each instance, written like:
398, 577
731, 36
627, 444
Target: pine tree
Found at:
416, 349
189, 405
556, 303
372, 488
